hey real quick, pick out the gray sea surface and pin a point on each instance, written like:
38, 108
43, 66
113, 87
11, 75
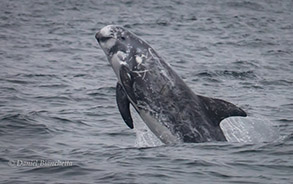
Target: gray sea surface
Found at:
59, 122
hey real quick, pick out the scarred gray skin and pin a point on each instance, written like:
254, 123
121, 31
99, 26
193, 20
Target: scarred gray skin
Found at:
165, 103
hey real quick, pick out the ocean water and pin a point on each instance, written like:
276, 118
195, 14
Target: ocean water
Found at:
59, 122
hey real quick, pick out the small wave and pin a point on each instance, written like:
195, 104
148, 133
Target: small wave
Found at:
281, 82
17, 81
251, 43
242, 75
279, 52
173, 19
238, 74
53, 85
32, 75
247, 63
245, 5
206, 74
66, 120
65, 170
56, 98
102, 91
23, 124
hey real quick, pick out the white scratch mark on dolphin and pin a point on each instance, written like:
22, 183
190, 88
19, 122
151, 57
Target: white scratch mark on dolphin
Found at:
140, 72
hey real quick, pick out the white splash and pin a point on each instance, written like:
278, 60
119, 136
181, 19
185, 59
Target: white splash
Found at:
249, 130
144, 136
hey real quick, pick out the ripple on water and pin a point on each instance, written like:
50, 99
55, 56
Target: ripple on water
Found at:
23, 124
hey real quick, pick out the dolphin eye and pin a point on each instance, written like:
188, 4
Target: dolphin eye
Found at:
123, 38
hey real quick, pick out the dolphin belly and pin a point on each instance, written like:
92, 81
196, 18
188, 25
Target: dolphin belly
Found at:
161, 131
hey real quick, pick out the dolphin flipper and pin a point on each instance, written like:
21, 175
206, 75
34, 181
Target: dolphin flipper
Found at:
218, 109
123, 105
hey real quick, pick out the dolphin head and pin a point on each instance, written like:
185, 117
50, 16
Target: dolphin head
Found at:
122, 48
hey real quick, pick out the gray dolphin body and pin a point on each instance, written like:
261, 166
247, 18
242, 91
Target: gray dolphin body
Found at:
165, 103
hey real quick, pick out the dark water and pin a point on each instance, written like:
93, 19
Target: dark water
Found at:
57, 90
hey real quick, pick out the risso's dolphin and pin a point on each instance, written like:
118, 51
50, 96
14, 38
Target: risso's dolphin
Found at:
165, 103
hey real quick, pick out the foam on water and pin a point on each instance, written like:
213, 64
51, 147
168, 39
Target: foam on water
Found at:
236, 129
249, 130
144, 136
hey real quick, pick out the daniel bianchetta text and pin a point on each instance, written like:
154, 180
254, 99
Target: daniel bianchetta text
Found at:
40, 163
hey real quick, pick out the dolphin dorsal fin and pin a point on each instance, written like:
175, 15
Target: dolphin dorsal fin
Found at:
218, 109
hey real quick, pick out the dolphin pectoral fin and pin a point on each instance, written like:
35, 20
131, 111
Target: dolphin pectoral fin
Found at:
218, 109
123, 105
127, 82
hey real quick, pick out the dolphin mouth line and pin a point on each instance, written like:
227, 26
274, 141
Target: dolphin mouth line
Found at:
103, 39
